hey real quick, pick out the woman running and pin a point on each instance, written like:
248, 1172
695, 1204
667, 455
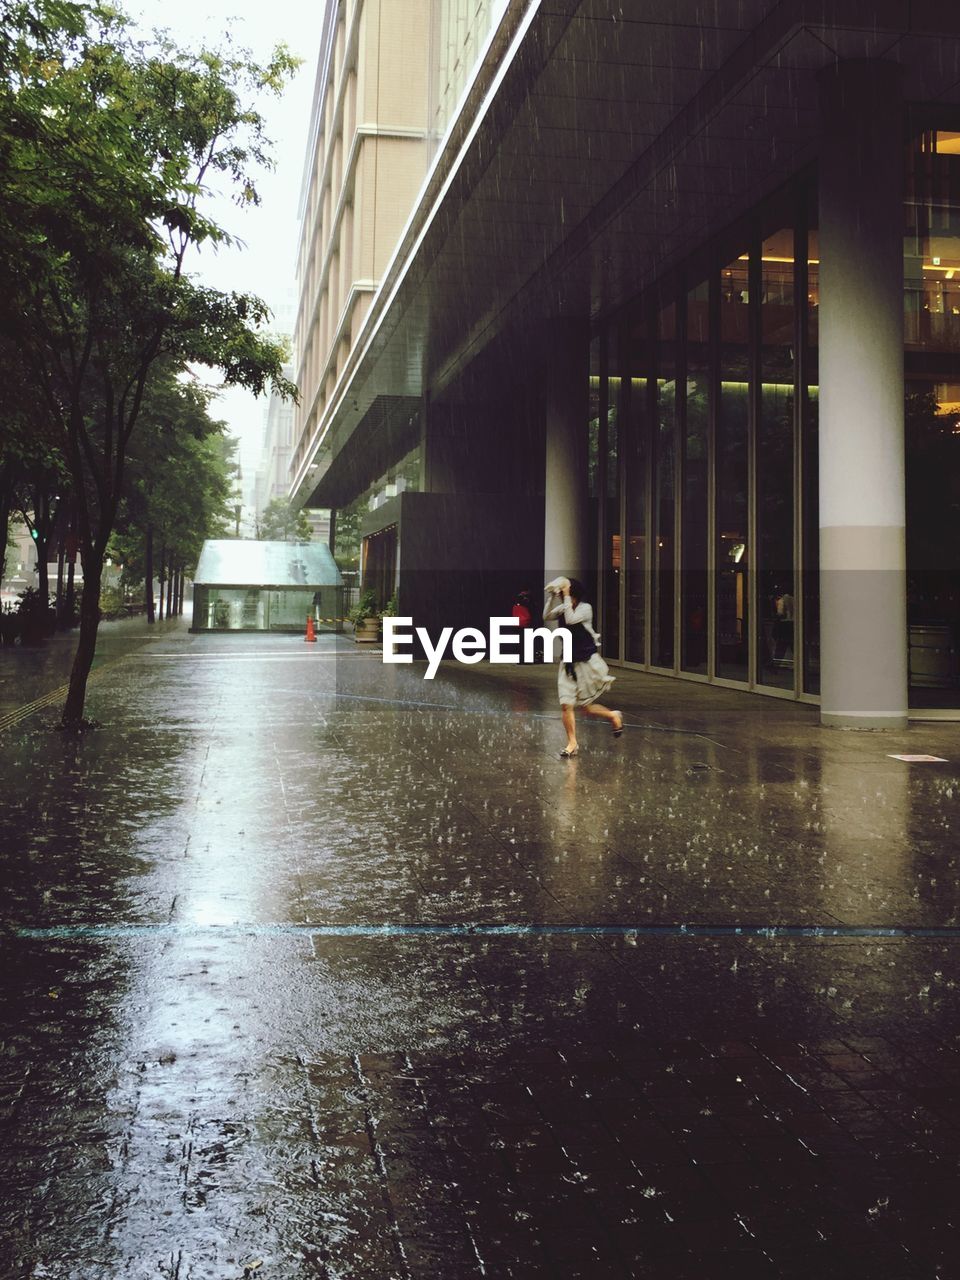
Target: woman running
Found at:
580, 682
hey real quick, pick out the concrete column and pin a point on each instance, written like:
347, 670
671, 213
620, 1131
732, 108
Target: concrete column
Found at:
566, 396
863, 626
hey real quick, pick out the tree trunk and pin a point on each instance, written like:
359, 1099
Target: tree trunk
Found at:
6, 498
43, 577
162, 580
178, 598
70, 548
183, 584
148, 574
72, 718
69, 598
171, 585
61, 556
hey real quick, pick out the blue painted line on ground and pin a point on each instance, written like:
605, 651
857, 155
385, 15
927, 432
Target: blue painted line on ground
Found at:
98, 931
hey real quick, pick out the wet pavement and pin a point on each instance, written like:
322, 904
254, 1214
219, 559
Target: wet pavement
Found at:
316, 969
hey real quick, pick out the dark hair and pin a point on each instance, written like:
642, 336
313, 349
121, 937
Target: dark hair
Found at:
576, 589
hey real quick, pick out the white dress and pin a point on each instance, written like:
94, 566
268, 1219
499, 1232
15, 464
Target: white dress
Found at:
591, 678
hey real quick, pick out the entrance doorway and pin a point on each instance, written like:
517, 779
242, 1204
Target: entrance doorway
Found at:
379, 564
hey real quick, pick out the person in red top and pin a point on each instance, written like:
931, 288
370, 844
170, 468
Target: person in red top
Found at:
522, 611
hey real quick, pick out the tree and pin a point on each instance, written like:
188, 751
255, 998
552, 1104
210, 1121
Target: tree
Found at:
41, 505
108, 146
177, 485
33, 480
347, 537
282, 522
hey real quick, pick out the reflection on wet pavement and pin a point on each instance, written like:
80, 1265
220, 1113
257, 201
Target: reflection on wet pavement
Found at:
273, 995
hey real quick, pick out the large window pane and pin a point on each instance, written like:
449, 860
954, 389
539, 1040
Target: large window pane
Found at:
694, 512
776, 595
636, 408
932, 417
732, 453
593, 476
811, 480
932, 243
664, 462
611, 553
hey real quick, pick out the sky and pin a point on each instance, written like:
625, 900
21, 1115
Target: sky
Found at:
266, 263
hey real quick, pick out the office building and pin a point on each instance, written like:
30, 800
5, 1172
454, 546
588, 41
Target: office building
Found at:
666, 295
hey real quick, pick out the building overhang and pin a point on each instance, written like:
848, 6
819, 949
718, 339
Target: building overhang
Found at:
361, 448
594, 150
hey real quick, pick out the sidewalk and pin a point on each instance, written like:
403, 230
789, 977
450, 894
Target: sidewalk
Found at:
316, 964
31, 674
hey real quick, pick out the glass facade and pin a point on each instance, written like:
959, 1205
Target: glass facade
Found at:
610, 626
349, 544
597, 411
932, 415
258, 609
243, 585
704, 442
694, 577
732, 550
809, 287
664, 476
776, 593
635, 453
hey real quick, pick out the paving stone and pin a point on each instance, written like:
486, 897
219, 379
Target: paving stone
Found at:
309, 961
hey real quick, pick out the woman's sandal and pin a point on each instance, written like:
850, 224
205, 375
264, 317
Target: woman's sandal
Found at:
618, 728
567, 754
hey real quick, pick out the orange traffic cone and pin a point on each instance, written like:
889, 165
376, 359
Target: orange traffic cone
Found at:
310, 637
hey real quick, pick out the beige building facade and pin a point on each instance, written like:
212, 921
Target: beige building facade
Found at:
389, 78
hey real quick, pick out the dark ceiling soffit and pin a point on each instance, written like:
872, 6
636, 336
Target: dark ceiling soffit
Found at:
389, 429
381, 518
773, 31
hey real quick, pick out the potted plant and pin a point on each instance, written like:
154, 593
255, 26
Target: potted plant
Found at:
365, 619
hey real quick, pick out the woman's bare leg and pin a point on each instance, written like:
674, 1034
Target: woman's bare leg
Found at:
603, 713
570, 724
